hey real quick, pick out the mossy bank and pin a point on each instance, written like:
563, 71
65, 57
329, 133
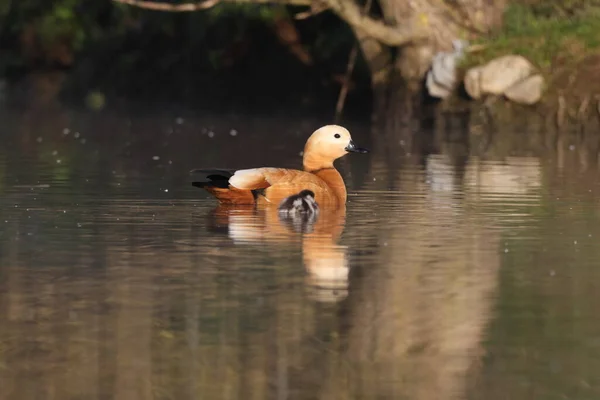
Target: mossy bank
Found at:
562, 40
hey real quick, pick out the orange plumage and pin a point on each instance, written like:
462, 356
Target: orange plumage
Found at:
272, 185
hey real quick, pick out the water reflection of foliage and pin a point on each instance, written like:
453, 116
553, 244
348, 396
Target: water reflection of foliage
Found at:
544, 209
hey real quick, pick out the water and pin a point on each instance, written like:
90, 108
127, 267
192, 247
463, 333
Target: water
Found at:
444, 279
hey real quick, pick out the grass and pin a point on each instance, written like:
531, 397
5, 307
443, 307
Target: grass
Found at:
548, 33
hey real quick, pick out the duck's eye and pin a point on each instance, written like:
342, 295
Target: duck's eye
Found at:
337, 136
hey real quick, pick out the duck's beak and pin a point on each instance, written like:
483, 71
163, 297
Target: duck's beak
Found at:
352, 148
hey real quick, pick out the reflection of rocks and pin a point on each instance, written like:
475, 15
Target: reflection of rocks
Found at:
509, 75
441, 176
418, 316
443, 182
517, 175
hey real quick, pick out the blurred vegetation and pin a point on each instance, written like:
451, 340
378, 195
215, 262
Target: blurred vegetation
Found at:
230, 50
238, 52
550, 33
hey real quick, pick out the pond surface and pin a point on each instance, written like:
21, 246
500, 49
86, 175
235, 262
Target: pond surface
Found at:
447, 277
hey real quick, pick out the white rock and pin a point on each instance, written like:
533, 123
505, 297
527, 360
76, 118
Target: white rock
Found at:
441, 77
503, 72
444, 69
473, 82
527, 91
434, 88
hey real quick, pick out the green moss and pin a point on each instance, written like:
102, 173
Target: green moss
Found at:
548, 33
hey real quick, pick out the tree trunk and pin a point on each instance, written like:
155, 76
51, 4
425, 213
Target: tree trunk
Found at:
400, 105
398, 48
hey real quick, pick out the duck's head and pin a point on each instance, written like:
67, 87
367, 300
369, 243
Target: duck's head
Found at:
327, 144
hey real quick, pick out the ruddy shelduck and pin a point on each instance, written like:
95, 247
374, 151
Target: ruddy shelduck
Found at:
274, 185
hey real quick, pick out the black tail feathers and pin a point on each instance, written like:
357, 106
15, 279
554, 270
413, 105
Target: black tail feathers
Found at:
211, 177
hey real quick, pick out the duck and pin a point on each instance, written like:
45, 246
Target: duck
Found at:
271, 185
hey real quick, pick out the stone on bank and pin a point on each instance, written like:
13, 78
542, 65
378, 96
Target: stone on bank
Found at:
513, 76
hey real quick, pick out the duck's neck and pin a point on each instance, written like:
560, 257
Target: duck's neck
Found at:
326, 171
314, 162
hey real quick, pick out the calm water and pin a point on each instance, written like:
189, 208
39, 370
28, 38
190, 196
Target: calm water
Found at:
447, 278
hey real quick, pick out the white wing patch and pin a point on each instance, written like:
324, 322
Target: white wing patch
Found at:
249, 179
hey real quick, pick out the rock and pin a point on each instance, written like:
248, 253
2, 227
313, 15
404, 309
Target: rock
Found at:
526, 91
503, 72
473, 82
497, 76
436, 89
441, 77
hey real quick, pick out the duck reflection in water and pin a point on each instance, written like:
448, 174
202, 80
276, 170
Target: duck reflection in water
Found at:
297, 219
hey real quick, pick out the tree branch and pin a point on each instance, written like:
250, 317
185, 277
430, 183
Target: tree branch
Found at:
202, 5
389, 35
316, 7
347, 10
349, 69
184, 7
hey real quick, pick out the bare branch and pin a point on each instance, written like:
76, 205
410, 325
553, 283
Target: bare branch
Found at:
315, 8
475, 48
348, 10
184, 7
203, 5
389, 35
349, 69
